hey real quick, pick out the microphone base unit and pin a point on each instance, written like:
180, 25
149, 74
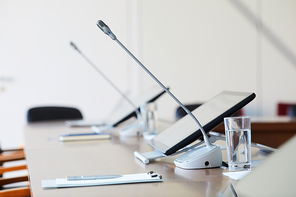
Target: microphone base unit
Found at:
156, 154
133, 130
200, 157
101, 129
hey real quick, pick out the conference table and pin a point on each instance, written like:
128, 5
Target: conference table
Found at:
48, 159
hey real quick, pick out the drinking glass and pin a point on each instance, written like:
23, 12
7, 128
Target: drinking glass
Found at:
238, 142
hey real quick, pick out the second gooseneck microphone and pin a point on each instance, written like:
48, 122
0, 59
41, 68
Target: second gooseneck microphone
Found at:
110, 82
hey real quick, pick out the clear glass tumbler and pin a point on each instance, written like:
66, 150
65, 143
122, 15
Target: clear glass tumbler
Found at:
238, 142
150, 118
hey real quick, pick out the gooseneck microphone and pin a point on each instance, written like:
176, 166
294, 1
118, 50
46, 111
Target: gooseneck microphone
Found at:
210, 148
110, 82
108, 31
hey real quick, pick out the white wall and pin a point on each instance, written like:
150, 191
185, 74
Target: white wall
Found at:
278, 58
200, 48
197, 48
35, 51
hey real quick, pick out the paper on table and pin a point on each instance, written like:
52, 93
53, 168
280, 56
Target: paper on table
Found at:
129, 178
236, 175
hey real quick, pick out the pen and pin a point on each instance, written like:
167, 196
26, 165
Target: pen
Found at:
92, 177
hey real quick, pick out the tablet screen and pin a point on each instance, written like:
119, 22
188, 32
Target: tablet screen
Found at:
210, 114
126, 110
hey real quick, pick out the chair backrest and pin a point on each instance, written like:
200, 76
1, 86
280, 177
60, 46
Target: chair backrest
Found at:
19, 191
292, 111
16, 192
282, 108
53, 113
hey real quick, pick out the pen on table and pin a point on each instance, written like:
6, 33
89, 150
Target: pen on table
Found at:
92, 177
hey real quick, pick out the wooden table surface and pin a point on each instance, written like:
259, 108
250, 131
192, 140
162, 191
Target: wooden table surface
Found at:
47, 158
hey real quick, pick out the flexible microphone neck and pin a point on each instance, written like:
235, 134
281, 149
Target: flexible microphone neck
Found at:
139, 116
108, 31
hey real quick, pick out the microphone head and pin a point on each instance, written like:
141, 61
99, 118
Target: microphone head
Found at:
74, 46
106, 29
103, 26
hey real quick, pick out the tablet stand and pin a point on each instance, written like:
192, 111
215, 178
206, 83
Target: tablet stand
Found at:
213, 136
152, 155
131, 130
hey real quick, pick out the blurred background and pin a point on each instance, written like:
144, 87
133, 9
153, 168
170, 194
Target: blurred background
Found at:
197, 48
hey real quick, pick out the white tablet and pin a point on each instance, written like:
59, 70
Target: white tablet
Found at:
210, 115
124, 111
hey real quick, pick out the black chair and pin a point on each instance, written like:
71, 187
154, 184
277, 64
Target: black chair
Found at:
34, 114
51, 113
14, 191
291, 111
7, 156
